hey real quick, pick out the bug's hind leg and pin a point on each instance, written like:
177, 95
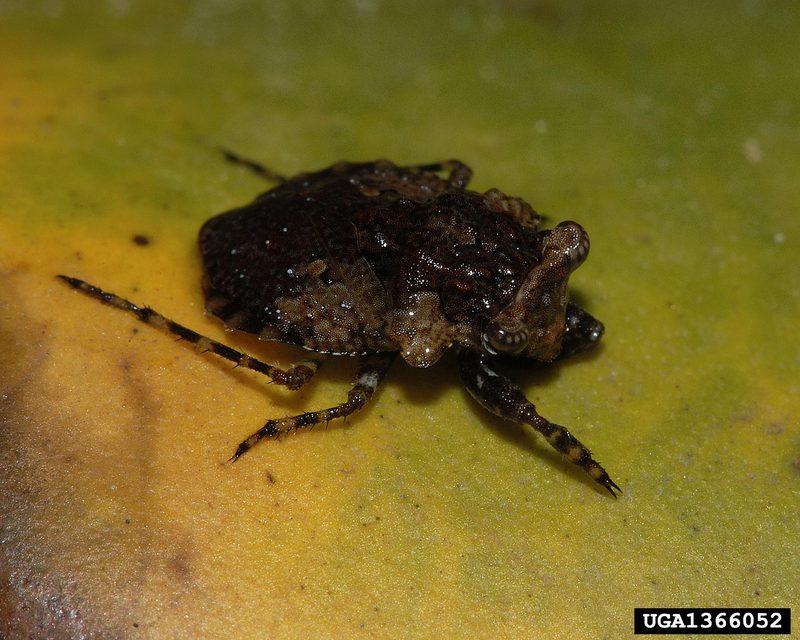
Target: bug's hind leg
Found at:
460, 173
293, 377
503, 398
370, 374
256, 167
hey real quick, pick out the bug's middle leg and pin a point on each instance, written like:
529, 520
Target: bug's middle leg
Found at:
370, 374
503, 398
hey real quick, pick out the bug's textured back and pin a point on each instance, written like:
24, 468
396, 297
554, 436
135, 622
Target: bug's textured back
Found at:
325, 259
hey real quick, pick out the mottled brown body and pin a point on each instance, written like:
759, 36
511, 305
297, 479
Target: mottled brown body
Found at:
338, 261
373, 259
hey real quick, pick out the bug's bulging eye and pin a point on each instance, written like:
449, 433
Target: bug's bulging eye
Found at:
571, 238
506, 340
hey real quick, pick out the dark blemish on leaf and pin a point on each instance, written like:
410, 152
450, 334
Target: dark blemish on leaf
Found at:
270, 477
140, 240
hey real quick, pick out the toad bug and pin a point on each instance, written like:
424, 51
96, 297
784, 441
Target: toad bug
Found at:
374, 259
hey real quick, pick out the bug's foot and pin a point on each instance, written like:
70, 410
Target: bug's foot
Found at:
579, 455
611, 486
240, 450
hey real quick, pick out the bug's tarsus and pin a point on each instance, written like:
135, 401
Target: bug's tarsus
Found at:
611, 486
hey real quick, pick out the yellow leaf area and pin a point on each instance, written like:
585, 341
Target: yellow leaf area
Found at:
668, 130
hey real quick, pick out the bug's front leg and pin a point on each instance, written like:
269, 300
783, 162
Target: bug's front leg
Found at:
370, 374
503, 398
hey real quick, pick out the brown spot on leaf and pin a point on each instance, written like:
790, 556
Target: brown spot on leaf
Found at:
179, 565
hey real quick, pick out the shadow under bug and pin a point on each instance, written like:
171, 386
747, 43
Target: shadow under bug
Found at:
374, 260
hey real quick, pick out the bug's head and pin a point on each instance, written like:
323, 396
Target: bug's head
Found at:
534, 324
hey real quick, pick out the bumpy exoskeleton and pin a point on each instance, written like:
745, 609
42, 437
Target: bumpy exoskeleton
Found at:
374, 259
